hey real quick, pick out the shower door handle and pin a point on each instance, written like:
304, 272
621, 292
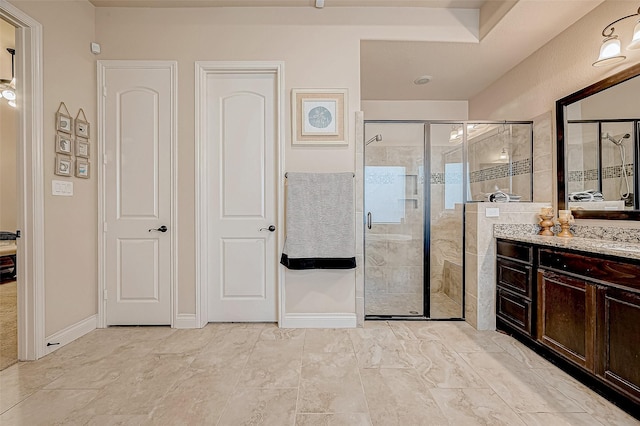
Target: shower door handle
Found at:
369, 220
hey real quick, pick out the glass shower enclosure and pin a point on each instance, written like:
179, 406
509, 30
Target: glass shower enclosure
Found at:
418, 175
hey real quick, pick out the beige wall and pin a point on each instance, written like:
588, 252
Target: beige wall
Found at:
316, 55
557, 69
70, 222
415, 110
562, 66
8, 117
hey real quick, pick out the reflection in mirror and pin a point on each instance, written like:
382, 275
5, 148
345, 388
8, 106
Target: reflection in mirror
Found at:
598, 139
601, 163
500, 163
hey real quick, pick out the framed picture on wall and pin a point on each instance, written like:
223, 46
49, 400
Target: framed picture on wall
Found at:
319, 116
82, 129
64, 165
82, 148
63, 122
63, 144
82, 168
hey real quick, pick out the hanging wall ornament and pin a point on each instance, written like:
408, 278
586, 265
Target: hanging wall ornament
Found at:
82, 127
63, 119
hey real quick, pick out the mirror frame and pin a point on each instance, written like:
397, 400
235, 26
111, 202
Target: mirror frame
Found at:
561, 105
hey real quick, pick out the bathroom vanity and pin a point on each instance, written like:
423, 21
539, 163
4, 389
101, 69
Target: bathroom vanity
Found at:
577, 302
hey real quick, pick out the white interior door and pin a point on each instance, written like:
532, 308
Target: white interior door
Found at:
138, 123
241, 114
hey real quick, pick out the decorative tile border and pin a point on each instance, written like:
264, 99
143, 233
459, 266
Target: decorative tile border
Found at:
437, 179
520, 167
610, 172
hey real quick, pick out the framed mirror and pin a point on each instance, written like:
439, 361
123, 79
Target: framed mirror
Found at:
598, 148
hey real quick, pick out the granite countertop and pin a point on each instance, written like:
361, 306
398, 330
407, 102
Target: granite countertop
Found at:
629, 250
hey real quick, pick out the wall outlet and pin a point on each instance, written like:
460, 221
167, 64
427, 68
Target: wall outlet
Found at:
492, 212
61, 187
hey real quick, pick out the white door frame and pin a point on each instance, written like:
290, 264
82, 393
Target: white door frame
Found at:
103, 66
31, 314
202, 70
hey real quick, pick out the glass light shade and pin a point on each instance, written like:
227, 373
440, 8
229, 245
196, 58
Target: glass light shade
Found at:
635, 41
9, 94
453, 134
609, 52
12, 103
503, 154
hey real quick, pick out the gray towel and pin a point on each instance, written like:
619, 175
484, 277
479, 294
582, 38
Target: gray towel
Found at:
320, 221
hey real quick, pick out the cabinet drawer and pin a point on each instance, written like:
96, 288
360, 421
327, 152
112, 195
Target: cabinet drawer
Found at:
515, 277
515, 310
610, 271
517, 251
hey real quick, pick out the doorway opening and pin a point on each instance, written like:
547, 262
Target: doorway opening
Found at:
8, 200
29, 181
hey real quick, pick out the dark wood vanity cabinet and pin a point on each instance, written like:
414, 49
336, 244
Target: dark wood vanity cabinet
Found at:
514, 303
581, 308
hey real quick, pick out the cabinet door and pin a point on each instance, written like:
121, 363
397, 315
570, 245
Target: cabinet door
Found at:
566, 317
618, 338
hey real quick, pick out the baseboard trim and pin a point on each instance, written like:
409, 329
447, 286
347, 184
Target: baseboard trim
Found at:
185, 321
71, 333
331, 320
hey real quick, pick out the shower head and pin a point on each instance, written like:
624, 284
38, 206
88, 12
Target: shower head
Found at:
617, 139
376, 138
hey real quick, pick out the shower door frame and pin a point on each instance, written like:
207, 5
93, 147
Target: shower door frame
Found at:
426, 221
426, 279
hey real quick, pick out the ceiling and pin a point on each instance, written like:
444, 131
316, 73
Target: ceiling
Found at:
458, 4
510, 31
462, 70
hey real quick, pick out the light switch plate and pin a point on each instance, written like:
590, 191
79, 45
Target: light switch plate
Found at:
492, 212
61, 187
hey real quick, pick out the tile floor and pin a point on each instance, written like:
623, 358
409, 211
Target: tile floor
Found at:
387, 373
8, 324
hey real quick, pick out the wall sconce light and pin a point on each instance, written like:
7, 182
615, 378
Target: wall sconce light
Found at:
8, 87
610, 51
503, 154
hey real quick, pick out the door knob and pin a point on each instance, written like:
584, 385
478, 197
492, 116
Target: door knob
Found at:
161, 229
271, 228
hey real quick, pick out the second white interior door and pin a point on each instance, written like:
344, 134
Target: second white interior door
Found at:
241, 114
